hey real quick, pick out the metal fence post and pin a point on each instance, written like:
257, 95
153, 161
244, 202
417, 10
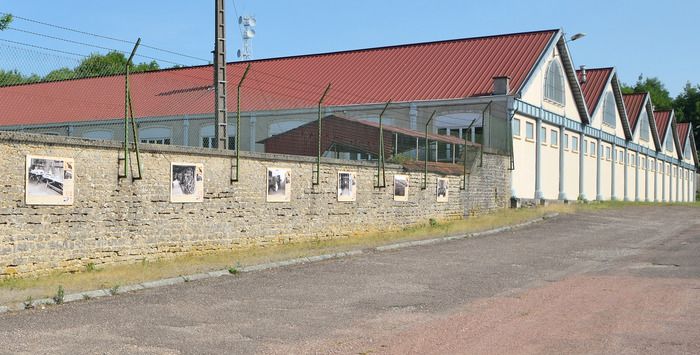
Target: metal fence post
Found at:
316, 175
425, 163
381, 170
238, 122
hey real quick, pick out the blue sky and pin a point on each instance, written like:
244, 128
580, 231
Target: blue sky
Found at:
641, 37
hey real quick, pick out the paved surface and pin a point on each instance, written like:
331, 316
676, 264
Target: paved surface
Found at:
616, 281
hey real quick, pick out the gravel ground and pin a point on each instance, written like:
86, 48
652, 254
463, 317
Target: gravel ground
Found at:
612, 281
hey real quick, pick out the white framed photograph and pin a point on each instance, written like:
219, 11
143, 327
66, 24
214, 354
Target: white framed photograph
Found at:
347, 186
279, 185
442, 191
49, 181
401, 188
186, 182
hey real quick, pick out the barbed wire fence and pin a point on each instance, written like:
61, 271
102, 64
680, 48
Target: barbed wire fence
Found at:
58, 92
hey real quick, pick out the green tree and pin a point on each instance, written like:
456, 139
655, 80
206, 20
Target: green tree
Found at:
5, 21
687, 106
109, 64
59, 74
659, 95
14, 77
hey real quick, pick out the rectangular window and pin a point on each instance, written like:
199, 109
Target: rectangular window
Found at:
554, 139
593, 153
585, 147
661, 171
619, 156
516, 127
565, 141
607, 153
529, 130
574, 144
631, 159
543, 135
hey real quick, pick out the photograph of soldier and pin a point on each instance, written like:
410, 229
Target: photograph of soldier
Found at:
186, 182
400, 188
347, 188
442, 190
49, 181
279, 188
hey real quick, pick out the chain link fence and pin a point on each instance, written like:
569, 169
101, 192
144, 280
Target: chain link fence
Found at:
273, 110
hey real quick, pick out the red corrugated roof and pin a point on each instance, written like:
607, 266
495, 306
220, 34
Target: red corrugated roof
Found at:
662, 119
683, 129
425, 71
633, 105
594, 86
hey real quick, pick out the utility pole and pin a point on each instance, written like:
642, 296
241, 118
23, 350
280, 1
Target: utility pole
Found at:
220, 120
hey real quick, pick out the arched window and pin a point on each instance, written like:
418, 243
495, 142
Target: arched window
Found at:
207, 136
644, 125
155, 135
554, 83
668, 139
609, 110
99, 134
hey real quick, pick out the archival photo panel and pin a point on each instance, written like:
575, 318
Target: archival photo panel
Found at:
49, 181
279, 185
186, 182
347, 186
442, 190
400, 188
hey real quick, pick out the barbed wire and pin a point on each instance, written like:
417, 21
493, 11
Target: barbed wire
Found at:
101, 36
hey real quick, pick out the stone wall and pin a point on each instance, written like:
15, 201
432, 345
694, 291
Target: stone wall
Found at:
115, 220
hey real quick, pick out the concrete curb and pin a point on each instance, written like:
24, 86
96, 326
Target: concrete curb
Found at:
86, 295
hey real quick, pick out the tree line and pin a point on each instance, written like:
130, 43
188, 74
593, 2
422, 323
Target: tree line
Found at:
94, 65
686, 105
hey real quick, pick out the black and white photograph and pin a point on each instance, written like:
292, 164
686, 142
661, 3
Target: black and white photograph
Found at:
49, 181
347, 186
400, 188
442, 190
186, 182
279, 185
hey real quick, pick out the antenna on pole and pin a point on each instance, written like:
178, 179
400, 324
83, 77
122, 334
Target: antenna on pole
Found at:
247, 32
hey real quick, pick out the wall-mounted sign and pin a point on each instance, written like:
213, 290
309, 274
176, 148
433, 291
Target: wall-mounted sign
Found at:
186, 182
50, 181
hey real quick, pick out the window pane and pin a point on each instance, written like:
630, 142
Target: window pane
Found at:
609, 110
231, 143
529, 130
543, 134
516, 127
565, 142
574, 144
554, 83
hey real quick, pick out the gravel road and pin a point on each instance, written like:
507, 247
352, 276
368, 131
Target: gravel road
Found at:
612, 281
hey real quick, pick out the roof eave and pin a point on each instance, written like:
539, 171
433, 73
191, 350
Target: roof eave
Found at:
543, 55
621, 110
573, 81
652, 122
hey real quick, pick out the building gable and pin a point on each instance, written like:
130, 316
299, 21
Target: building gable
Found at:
534, 89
